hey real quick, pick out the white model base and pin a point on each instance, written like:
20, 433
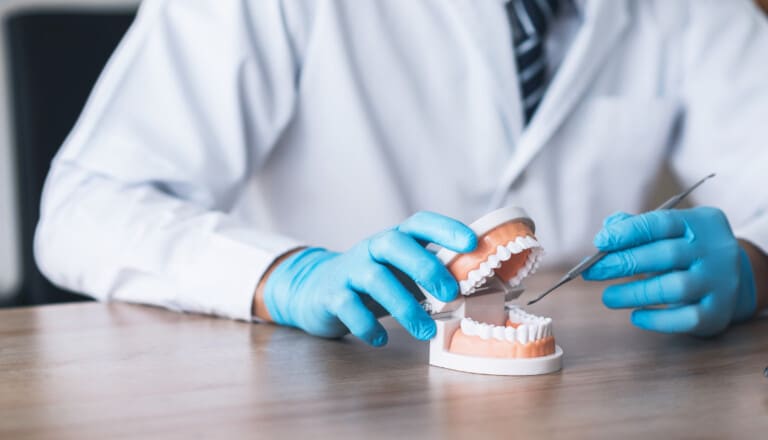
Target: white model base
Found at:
439, 356
499, 366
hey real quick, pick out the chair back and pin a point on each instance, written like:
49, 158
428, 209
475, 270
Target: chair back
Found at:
53, 58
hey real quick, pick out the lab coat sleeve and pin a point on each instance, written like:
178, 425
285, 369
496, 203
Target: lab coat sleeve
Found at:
725, 93
137, 203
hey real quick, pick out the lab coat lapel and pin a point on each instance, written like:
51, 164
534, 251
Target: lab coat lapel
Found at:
604, 22
485, 28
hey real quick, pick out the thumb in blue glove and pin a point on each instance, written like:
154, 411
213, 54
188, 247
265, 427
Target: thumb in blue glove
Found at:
320, 291
694, 264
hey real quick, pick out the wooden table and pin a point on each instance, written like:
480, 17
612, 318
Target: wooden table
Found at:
109, 371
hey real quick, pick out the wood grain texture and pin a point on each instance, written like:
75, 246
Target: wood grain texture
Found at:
116, 371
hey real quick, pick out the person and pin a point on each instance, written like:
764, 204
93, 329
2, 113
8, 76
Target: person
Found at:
235, 155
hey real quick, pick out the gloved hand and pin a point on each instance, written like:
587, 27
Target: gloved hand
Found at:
319, 291
695, 265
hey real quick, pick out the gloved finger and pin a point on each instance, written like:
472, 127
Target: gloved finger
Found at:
616, 217
669, 288
349, 308
403, 252
658, 256
685, 319
716, 314
640, 229
382, 285
441, 230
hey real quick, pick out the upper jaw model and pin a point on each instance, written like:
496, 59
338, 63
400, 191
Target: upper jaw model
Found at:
481, 331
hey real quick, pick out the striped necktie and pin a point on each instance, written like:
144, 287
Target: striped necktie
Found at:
529, 20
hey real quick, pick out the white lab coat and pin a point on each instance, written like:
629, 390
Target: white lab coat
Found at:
226, 132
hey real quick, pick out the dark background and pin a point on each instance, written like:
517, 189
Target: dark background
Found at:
53, 61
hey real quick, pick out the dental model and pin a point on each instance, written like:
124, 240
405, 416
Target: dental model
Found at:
481, 331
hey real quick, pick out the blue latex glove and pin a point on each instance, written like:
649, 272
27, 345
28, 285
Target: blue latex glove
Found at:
695, 265
319, 291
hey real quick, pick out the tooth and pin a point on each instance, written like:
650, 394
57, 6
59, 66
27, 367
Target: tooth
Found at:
465, 286
509, 334
514, 247
468, 327
494, 261
522, 242
485, 268
539, 331
498, 332
503, 253
484, 331
522, 334
532, 330
479, 283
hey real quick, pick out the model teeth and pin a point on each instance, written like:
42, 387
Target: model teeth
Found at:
484, 331
542, 325
522, 334
478, 277
467, 327
533, 329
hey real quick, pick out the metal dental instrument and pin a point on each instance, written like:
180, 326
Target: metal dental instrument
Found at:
494, 284
586, 264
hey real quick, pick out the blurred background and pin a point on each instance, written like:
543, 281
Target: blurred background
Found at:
51, 52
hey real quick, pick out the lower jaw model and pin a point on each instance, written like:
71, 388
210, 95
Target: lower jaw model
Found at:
482, 331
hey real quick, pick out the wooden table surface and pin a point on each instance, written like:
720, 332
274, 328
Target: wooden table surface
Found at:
110, 371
